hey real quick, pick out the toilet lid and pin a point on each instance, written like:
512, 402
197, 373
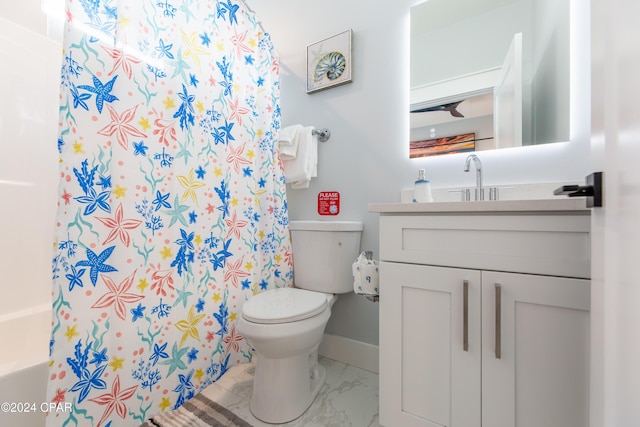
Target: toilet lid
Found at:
284, 305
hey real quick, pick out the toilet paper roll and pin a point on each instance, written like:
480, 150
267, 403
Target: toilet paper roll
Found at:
365, 276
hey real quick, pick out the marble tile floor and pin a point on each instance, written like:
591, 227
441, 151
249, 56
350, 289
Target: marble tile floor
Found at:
348, 398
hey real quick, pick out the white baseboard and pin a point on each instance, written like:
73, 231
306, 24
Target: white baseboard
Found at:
352, 352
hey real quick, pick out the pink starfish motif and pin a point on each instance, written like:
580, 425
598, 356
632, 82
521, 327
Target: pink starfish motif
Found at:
118, 295
120, 125
119, 226
114, 400
121, 60
233, 272
233, 339
235, 225
235, 158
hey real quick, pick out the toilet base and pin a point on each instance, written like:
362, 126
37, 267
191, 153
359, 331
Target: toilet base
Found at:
283, 389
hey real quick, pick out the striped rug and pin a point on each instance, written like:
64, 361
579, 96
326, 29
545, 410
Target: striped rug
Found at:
199, 411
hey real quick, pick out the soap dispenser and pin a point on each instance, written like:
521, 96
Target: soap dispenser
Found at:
422, 189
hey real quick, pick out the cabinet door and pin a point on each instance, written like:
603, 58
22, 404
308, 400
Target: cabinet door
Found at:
535, 361
428, 377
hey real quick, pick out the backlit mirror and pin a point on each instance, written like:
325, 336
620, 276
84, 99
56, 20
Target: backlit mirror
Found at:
488, 74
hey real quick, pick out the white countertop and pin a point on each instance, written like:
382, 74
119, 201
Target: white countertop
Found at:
560, 204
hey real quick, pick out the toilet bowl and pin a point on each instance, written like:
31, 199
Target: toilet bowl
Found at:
285, 326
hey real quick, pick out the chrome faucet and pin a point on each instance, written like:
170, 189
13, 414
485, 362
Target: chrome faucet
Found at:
478, 165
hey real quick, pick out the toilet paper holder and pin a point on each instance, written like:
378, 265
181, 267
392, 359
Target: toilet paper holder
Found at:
374, 298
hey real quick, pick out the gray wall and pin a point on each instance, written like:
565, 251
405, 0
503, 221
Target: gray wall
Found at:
367, 158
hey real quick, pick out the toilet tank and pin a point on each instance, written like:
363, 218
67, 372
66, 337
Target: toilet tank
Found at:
323, 252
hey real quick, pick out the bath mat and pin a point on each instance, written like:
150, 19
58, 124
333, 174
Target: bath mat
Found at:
199, 411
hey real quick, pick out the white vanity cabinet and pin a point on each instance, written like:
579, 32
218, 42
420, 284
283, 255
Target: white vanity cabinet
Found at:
484, 318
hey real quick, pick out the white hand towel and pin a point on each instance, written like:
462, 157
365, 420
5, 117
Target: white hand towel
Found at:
299, 171
288, 142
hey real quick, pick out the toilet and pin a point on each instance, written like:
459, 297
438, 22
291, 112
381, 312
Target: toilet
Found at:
285, 325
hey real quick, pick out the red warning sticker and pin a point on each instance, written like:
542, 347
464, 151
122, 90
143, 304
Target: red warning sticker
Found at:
328, 203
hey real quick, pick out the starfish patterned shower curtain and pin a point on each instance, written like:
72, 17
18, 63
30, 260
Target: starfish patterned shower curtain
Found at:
171, 209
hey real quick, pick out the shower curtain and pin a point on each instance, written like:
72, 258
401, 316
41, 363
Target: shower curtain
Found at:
171, 209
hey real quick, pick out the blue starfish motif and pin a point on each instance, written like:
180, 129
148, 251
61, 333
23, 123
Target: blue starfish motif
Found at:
159, 353
185, 382
102, 91
137, 312
161, 200
205, 39
75, 278
193, 354
78, 99
164, 50
232, 9
140, 149
99, 357
193, 80
89, 381
93, 200
97, 263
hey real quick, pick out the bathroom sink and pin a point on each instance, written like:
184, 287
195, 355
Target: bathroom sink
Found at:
533, 205
532, 195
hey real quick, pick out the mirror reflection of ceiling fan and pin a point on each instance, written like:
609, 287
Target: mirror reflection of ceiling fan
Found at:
450, 107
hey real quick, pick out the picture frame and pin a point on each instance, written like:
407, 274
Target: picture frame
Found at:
329, 62
448, 145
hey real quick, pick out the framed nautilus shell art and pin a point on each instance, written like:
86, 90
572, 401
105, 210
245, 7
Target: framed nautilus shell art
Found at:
329, 62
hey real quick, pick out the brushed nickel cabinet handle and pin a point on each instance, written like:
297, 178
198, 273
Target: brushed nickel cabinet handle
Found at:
465, 316
498, 321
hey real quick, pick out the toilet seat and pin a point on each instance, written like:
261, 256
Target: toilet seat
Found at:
283, 305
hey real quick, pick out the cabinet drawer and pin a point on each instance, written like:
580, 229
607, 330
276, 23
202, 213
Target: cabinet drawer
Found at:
549, 244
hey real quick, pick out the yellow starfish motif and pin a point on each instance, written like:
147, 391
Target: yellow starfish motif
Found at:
142, 284
200, 106
78, 148
251, 154
190, 186
123, 21
248, 266
233, 316
193, 50
166, 253
217, 172
164, 404
216, 297
71, 332
189, 326
119, 191
116, 363
234, 201
144, 123
198, 239
168, 103
199, 374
